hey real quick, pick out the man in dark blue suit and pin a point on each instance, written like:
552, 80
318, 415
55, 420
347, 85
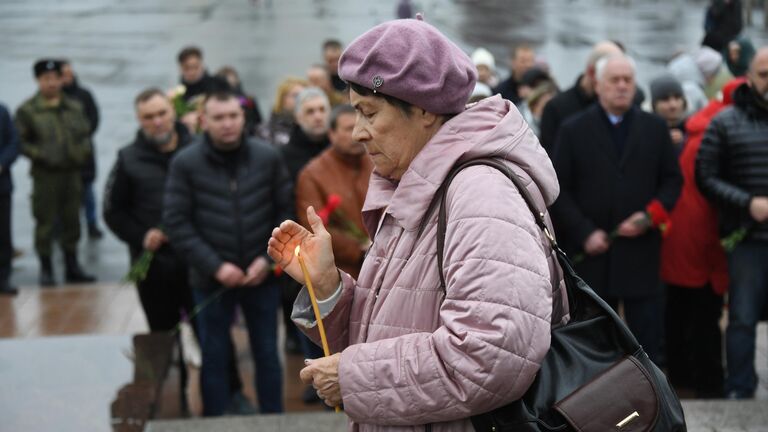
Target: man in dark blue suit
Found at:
612, 161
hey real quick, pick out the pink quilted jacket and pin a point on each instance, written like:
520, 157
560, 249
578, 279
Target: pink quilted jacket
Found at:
414, 355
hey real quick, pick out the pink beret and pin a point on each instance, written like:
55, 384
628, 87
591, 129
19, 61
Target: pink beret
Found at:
412, 61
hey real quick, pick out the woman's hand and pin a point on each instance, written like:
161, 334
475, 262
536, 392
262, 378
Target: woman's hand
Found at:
316, 250
323, 374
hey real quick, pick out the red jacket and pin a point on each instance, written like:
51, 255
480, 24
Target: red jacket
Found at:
691, 254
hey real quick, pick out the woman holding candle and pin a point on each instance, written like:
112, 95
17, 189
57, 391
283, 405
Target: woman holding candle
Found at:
407, 353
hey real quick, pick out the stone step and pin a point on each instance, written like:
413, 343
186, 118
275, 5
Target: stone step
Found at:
315, 422
701, 416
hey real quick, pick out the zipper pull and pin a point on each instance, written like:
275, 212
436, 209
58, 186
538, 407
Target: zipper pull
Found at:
233, 185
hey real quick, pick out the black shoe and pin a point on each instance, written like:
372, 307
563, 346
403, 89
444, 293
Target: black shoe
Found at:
94, 233
6, 289
46, 272
240, 405
75, 274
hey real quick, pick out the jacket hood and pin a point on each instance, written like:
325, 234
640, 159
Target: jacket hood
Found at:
698, 122
492, 127
744, 98
684, 68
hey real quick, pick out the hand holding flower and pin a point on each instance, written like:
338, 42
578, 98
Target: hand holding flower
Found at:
635, 225
154, 239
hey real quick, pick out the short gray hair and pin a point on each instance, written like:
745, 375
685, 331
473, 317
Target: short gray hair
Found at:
311, 93
603, 62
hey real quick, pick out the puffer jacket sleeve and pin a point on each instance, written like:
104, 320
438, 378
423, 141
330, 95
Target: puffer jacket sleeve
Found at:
117, 207
336, 323
709, 168
177, 218
495, 319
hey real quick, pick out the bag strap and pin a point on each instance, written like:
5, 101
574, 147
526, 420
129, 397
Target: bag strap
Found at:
573, 283
439, 199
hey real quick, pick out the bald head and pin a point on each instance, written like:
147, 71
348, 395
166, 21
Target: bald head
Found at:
602, 49
599, 50
758, 72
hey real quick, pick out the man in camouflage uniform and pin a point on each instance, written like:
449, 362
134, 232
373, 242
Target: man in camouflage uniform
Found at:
55, 136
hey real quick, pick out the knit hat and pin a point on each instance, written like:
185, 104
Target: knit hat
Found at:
665, 86
46, 65
412, 61
482, 56
708, 61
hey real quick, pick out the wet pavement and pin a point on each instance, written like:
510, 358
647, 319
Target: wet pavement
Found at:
119, 47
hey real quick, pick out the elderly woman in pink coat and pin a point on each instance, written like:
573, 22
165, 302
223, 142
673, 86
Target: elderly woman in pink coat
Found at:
409, 355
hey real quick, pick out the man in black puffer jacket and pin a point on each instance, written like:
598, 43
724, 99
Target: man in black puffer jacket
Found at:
732, 170
133, 208
224, 195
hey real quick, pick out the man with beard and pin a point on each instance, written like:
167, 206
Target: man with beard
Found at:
614, 160
223, 196
55, 135
72, 88
731, 171
133, 207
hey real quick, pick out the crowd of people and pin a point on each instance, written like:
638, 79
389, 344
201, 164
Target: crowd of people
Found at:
662, 208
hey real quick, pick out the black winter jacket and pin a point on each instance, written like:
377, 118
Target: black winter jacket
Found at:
133, 198
223, 209
91, 110
508, 89
300, 150
732, 164
557, 110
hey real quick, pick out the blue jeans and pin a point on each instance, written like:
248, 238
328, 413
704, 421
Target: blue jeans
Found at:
748, 293
259, 305
89, 203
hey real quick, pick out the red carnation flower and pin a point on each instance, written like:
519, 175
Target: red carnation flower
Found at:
658, 216
330, 206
